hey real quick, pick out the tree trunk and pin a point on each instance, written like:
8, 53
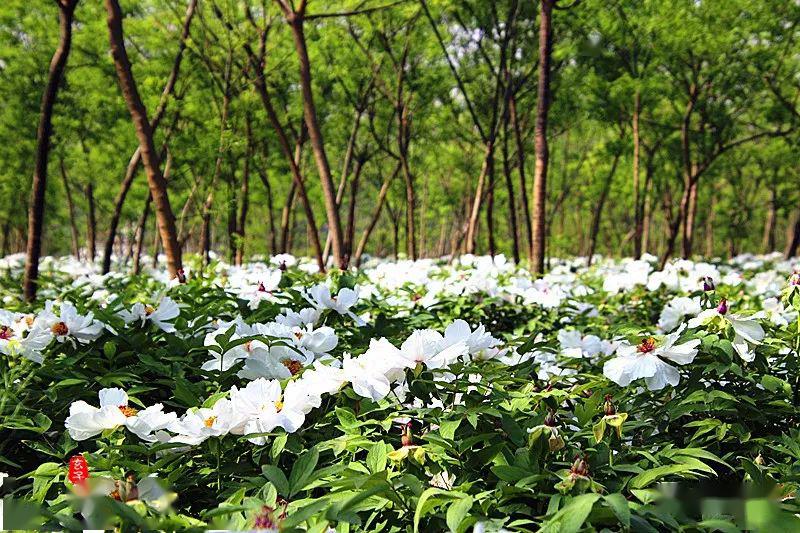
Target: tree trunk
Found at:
285, 216
768, 240
637, 200
351, 209
150, 159
293, 160
182, 235
512, 203
540, 138
73, 225
598, 210
205, 233
244, 194
688, 223
140, 231
793, 243
523, 185
477, 199
91, 224
362, 243
647, 215
348, 158
133, 163
403, 139
710, 222
490, 210
295, 20
66, 9
273, 246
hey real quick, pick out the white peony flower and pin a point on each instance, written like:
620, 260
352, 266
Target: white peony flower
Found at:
747, 331
647, 361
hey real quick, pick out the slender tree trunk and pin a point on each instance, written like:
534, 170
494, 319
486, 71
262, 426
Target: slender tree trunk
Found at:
647, 217
348, 157
362, 243
490, 210
598, 209
293, 160
540, 138
512, 203
523, 185
6, 236
244, 195
91, 224
205, 232
710, 221
637, 200
133, 163
794, 242
477, 199
273, 246
66, 9
768, 240
285, 216
182, 235
150, 159
688, 224
232, 206
351, 208
140, 233
403, 138
296, 20
73, 225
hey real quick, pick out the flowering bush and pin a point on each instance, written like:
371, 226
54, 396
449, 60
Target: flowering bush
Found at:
408, 396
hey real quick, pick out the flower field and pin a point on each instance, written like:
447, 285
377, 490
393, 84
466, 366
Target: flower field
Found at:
405, 396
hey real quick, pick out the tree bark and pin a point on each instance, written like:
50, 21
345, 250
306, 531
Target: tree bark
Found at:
273, 245
205, 232
295, 20
149, 155
140, 231
794, 243
540, 138
351, 208
512, 203
490, 210
133, 163
66, 10
244, 194
362, 243
688, 224
523, 185
348, 158
768, 239
403, 139
73, 225
637, 200
91, 224
292, 159
598, 210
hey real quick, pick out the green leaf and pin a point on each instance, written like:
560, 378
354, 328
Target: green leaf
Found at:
599, 430
427, 501
302, 470
571, 517
277, 477
649, 476
448, 428
278, 444
376, 458
457, 511
619, 505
